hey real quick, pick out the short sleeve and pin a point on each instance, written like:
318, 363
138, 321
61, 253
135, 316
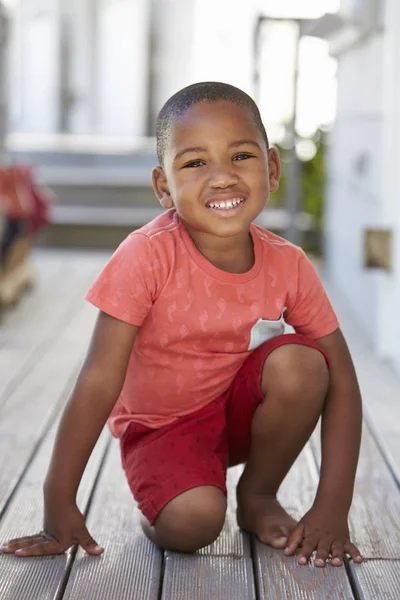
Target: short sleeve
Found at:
127, 286
309, 310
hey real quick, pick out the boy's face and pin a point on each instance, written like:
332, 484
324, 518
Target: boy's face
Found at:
217, 173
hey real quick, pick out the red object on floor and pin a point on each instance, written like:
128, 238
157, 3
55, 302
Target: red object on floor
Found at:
21, 199
15, 193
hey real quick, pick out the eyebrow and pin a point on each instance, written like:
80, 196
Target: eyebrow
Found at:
187, 150
243, 143
200, 149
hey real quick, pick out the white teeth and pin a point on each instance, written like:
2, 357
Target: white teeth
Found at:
226, 205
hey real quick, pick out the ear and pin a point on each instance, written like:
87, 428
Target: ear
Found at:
161, 188
274, 166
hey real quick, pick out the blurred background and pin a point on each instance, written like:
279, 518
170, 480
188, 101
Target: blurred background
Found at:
81, 82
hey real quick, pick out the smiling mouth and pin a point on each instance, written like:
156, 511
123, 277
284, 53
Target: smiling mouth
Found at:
226, 205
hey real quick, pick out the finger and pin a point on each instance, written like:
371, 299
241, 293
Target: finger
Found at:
11, 546
45, 548
322, 553
337, 554
295, 539
88, 543
353, 551
308, 547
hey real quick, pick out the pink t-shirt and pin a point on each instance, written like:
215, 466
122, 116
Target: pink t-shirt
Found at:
197, 323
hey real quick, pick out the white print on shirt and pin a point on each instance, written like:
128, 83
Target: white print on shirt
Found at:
265, 330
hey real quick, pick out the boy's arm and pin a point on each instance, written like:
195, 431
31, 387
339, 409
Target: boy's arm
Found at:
324, 528
341, 427
96, 391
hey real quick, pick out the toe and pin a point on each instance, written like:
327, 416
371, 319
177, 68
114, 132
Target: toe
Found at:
278, 537
279, 543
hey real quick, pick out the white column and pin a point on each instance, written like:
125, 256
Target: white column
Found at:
224, 41
174, 28
79, 40
40, 66
389, 329
122, 67
202, 40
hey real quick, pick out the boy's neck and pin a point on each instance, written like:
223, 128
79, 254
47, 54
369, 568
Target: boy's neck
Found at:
232, 255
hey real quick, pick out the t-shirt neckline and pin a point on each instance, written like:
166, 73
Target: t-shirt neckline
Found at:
217, 273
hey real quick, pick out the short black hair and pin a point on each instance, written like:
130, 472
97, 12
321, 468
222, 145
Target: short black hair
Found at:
207, 91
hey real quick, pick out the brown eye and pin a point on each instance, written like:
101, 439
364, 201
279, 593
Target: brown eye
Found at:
193, 164
242, 156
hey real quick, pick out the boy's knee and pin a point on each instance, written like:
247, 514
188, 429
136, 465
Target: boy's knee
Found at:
192, 520
294, 369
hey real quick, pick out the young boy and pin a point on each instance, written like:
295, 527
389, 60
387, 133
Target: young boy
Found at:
189, 363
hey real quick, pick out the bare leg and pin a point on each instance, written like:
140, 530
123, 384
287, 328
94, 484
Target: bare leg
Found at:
295, 382
190, 521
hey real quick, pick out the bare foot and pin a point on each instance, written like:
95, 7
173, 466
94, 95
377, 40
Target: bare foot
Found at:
265, 517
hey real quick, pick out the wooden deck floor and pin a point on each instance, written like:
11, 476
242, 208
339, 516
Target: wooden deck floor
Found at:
42, 343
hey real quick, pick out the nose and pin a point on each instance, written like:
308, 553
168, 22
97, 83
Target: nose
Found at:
222, 177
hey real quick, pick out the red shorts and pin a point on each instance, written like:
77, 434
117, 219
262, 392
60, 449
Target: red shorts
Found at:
197, 449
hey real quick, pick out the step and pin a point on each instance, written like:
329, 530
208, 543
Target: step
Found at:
63, 150
99, 187
106, 226
105, 215
270, 218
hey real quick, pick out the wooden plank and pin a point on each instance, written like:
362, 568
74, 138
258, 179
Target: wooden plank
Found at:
36, 578
222, 570
232, 541
282, 578
297, 491
130, 568
15, 283
375, 512
33, 301
33, 405
208, 577
379, 385
57, 277
29, 339
377, 579
31, 579
274, 572
374, 523
25, 327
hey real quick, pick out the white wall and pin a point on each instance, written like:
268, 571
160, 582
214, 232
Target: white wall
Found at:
173, 34
122, 67
355, 178
364, 181
389, 321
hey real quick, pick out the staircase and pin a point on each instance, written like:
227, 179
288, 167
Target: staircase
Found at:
101, 196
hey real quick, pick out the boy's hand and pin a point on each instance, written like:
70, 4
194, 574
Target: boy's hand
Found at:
325, 532
63, 528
